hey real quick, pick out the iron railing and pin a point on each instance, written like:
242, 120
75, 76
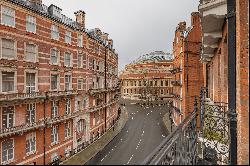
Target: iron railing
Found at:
192, 143
179, 148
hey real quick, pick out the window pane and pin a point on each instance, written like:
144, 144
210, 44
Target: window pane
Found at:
8, 16
30, 54
8, 48
7, 81
54, 82
54, 56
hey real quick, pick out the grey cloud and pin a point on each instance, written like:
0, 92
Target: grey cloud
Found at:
136, 26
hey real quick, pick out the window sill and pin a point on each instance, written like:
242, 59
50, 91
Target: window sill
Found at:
54, 143
11, 26
8, 93
30, 153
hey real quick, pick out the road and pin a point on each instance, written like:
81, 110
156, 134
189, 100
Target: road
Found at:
142, 133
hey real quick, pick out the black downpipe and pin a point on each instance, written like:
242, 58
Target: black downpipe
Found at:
44, 137
232, 79
105, 86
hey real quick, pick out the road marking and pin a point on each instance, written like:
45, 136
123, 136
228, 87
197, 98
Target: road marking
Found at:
163, 136
138, 144
132, 118
127, 131
130, 159
102, 159
147, 114
158, 123
151, 110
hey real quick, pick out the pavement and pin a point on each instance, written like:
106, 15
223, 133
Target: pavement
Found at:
142, 133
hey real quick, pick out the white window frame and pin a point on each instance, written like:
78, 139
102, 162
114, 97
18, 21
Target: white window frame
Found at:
67, 131
57, 58
79, 40
68, 106
9, 160
55, 31
71, 58
80, 79
29, 137
36, 53
68, 37
54, 109
15, 80
14, 15
70, 81
29, 110
30, 20
15, 48
1, 113
36, 79
58, 81
54, 131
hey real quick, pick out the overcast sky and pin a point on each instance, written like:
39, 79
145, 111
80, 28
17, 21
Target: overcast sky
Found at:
136, 26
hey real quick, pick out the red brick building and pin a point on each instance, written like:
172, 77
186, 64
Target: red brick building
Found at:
215, 57
57, 82
148, 78
187, 69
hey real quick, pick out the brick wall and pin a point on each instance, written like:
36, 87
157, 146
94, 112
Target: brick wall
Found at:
242, 80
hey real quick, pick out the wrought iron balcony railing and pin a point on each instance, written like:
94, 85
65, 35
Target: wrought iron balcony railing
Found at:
21, 96
21, 129
176, 83
97, 108
192, 143
102, 90
62, 93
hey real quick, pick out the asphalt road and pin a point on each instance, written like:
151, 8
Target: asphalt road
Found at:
142, 133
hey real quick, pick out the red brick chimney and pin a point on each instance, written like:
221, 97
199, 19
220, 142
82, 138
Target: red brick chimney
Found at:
195, 18
36, 1
80, 18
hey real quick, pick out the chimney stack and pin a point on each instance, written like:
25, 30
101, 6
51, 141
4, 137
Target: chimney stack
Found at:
104, 37
80, 18
182, 25
36, 1
195, 18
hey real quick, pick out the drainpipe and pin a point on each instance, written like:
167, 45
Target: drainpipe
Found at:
44, 137
105, 86
232, 80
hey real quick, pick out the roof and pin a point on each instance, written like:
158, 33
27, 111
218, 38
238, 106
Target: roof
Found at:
154, 56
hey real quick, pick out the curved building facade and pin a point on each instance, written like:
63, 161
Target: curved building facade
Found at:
58, 83
148, 78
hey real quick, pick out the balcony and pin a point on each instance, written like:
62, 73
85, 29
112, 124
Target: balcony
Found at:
192, 143
102, 90
20, 129
16, 97
175, 70
62, 93
94, 91
97, 108
62, 118
213, 15
176, 83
